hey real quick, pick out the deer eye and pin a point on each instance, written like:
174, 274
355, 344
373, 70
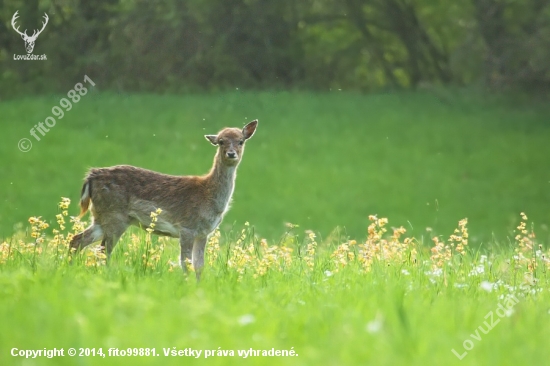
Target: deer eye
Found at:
220, 142
241, 142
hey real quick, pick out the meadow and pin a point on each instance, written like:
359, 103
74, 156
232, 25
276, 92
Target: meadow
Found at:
386, 300
400, 228
320, 161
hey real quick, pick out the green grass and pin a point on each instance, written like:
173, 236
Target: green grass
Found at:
396, 311
317, 160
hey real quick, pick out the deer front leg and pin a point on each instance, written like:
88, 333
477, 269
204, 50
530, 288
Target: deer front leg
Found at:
198, 255
186, 247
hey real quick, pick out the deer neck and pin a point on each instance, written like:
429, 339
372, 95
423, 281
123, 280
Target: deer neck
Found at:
222, 182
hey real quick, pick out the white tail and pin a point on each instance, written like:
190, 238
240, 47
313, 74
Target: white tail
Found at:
192, 206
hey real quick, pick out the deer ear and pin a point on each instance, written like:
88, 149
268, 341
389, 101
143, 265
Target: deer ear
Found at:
249, 129
212, 139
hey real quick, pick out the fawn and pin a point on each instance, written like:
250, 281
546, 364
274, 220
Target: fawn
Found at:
192, 206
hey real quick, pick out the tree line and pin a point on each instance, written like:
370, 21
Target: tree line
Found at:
205, 45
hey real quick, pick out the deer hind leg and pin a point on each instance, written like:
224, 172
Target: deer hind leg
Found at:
113, 226
92, 234
109, 242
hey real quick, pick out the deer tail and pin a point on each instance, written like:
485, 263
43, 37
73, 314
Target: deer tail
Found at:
85, 198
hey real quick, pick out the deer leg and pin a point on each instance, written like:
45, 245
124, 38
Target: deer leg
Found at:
198, 255
92, 234
112, 232
186, 246
109, 243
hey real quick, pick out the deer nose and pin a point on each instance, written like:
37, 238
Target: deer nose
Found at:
231, 155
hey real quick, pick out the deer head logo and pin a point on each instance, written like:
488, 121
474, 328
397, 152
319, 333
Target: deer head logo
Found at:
29, 40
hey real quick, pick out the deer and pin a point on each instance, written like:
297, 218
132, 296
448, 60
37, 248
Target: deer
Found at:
191, 207
29, 40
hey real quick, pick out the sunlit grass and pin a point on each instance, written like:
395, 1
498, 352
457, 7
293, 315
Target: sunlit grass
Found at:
387, 299
319, 160
339, 283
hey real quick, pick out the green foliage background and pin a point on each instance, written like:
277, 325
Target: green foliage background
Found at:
198, 45
422, 111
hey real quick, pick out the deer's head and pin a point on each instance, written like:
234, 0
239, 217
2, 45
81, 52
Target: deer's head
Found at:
29, 40
230, 142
